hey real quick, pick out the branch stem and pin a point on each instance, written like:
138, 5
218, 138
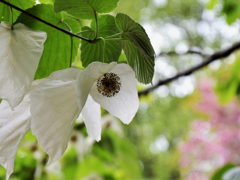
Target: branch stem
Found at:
208, 60
45, 22
70, 64
96, 19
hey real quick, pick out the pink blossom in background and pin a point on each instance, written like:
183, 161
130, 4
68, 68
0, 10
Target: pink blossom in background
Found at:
214, 142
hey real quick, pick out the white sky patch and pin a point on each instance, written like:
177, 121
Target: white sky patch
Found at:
183, 86
230, 60
164, 68
154, 36
160, 3
203, 28
162, 91
208, 15
37, 2
161, 144
182, 47
215, 65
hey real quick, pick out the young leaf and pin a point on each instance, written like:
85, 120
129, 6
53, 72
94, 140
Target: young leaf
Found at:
84, 9
136, 33
5, 10
137, 48
103, 51
143, 66
57, 48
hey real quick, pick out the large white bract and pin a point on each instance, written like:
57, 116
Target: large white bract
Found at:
20, 52
58, 101
13, 127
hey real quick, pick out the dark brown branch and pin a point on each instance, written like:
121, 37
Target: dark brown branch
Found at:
45, 22
173, 53
215, 56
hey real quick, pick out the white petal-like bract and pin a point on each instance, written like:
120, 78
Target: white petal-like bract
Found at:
54, 110
13, 127
92, 118
20, 52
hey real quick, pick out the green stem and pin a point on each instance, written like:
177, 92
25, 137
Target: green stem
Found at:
104, 47
83, 32
118, 34
11, 12
69, 28
96, 33
70, 65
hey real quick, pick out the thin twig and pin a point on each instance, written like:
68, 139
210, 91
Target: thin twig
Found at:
173, 53
215, 56
45, 22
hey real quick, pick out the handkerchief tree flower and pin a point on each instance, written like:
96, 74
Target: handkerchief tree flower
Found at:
58, 101
20, 51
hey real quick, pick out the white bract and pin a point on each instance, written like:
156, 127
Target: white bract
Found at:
13, 127
20, 52
58, 101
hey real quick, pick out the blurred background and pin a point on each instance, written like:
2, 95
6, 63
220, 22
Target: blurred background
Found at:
187, 129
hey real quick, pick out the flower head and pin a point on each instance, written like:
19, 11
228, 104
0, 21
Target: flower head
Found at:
109, 85
58, 101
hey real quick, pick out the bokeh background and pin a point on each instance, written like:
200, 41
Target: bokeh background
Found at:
187, 129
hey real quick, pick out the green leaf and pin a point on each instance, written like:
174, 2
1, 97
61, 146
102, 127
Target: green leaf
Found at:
5, 10
143, 66
137, 48
84, 9
103, 50
46, 1
218, 175
57, 48
232, 10
136, 33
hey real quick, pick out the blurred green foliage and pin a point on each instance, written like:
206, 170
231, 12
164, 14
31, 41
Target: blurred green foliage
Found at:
228, 85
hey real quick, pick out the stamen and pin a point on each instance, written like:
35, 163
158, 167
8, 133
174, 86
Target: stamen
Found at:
109, 85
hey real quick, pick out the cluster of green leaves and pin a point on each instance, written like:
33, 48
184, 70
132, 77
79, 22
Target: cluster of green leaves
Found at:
110, 35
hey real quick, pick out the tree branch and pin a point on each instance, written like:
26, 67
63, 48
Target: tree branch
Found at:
173, 53
45, 22
215, 56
